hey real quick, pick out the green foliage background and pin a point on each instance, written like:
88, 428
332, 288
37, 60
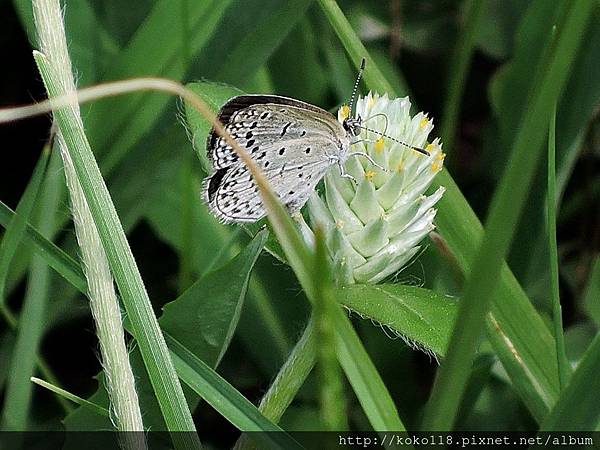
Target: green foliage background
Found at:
476, 66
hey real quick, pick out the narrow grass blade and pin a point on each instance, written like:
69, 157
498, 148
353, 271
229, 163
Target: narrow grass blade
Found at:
372, 75
504, 213
331, 388
106, 311
591, 298
31, 327
135, 298
459, 67
72, 397
225, 398
366, 382
16, 227
564, 370
578, 408
62, 263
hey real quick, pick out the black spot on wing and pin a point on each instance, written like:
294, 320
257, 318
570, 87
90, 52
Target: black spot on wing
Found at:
285, 128
215, 181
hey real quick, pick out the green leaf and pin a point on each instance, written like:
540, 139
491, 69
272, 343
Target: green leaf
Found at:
90, 51
482, 367
372, 75
289, 74
578, 408
7, 343
204, 317
366, 382
215, 95
423, 317
170, 227
498, 26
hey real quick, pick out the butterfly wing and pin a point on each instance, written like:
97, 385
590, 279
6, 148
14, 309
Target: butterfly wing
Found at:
262, 119
293, 146
233, 196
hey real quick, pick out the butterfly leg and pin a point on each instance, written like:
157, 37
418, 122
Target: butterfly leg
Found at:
343, 173
368, 157
335, 160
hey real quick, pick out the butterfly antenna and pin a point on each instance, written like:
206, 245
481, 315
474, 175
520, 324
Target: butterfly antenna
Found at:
412, 147
358, 77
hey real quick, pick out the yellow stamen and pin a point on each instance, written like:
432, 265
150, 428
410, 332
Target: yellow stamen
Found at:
345, 112
339, 224
430, 147
379, 145
440, 157
369, 174
400, 167
371, 102
424, 122
436, 167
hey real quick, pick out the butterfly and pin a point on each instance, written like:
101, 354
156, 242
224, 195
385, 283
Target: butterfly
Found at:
294, 143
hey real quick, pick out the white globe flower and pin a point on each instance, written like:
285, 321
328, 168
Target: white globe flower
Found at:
373, 227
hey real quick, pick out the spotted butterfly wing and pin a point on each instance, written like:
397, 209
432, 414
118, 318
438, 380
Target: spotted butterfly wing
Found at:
294, 143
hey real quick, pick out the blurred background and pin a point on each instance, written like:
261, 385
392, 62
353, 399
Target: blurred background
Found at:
287, 47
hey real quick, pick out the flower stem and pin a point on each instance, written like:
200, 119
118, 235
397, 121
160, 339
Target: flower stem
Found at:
288, 381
